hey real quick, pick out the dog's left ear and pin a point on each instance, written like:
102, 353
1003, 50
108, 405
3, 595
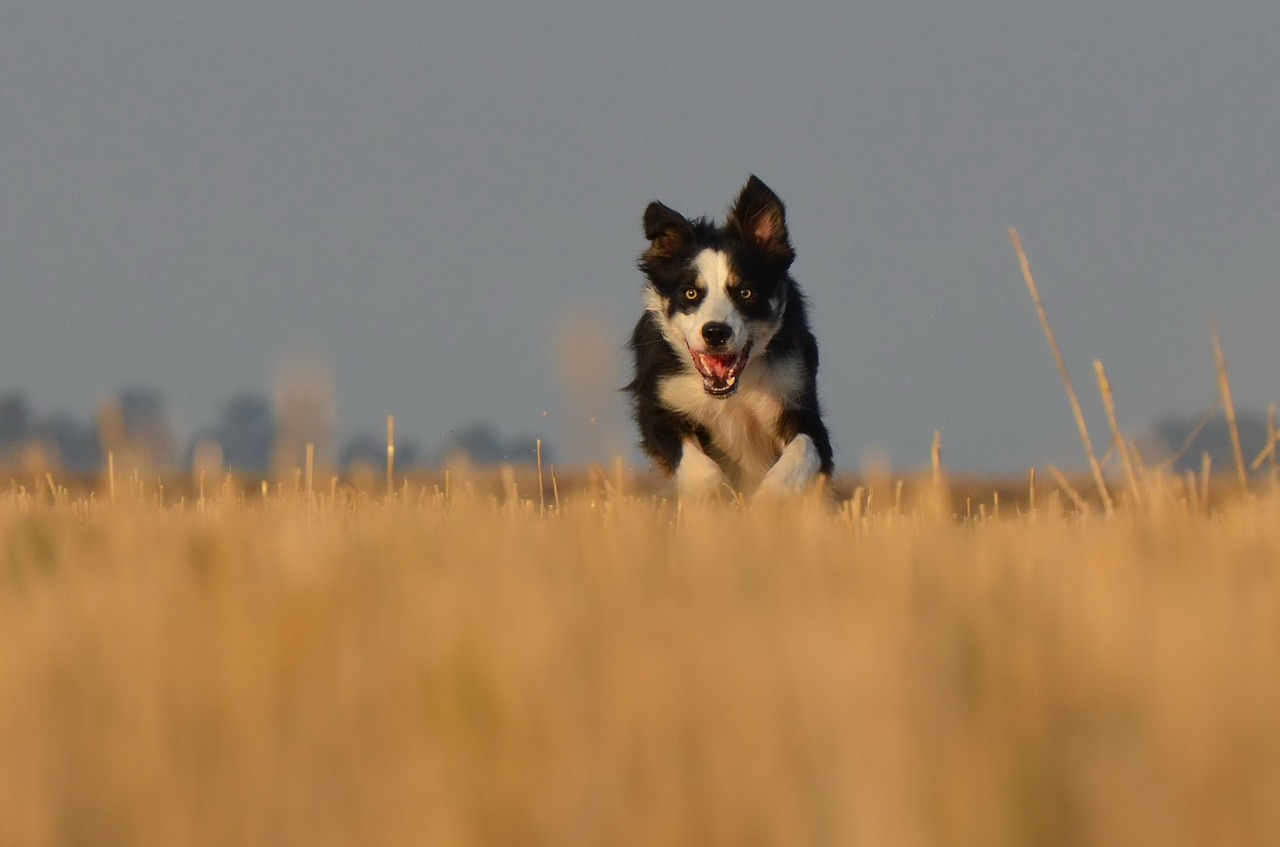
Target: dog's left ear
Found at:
759, 216
668, 231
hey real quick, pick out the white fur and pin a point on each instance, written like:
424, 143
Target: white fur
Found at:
745, 425
794, 471
715, 278
654, 303
698, 476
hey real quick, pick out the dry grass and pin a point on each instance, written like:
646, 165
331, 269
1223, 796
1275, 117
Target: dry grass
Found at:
345, 669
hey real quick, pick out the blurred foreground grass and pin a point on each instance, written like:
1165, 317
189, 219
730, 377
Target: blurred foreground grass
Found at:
347, 670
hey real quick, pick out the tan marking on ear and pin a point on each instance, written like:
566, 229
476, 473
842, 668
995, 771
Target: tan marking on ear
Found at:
767, 227
665, 245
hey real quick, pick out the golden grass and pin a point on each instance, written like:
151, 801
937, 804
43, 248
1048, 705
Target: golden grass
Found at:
344, 669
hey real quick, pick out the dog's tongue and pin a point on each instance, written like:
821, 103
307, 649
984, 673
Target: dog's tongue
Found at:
719, 367
719, 371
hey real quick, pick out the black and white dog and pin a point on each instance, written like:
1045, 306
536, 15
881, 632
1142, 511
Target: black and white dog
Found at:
725, 389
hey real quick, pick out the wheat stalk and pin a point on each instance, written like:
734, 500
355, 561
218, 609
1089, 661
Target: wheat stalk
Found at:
1062, 369
311, 472
542, 500
1121, 446
391, 456
1224, 388
1066, 486
1206, 471
1271, 441
1269, 451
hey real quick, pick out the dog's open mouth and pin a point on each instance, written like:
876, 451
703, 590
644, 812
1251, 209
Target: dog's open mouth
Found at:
720, 372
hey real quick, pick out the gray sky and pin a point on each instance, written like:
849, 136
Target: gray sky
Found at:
424, 192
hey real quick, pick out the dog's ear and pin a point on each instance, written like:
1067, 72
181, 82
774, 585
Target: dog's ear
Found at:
667, 229
759, 216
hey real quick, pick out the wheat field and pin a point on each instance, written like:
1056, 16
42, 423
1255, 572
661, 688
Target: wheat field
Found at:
338, 667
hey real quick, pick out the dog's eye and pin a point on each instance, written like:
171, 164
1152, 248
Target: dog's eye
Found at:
691, 294
745, 294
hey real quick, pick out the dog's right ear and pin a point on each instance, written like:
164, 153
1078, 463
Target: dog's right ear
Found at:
668, 231
759, 215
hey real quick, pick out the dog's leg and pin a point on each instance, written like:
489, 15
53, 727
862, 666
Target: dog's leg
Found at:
795, 470
698, 477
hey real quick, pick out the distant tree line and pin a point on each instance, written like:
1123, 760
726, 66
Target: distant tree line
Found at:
255, 434
1183, 442
252, 435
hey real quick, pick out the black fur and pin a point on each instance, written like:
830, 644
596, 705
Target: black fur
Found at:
756, 240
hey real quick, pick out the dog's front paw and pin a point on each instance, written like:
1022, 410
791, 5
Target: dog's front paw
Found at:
698, 477
794, 472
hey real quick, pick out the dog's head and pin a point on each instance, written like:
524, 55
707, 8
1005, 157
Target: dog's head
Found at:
719, 293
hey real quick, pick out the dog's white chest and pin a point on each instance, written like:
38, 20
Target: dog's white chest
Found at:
744, 426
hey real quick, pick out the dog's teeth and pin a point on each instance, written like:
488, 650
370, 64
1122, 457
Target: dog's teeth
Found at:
731, 380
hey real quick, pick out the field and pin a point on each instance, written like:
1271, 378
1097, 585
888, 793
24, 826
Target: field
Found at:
331, 666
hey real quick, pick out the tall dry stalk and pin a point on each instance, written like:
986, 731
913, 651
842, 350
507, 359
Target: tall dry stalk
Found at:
1206, 472
1193, 492
311, 467
1224, 388
391, 456
542, 499
1271, 436
1121, 446
1268, 452
1271, 442
1065, 484
1062, 370
1192, 436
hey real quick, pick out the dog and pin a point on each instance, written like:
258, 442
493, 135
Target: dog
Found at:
725, 383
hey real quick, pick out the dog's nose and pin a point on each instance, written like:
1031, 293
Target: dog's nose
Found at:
716, 334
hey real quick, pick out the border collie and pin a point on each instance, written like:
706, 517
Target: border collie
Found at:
725, 389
